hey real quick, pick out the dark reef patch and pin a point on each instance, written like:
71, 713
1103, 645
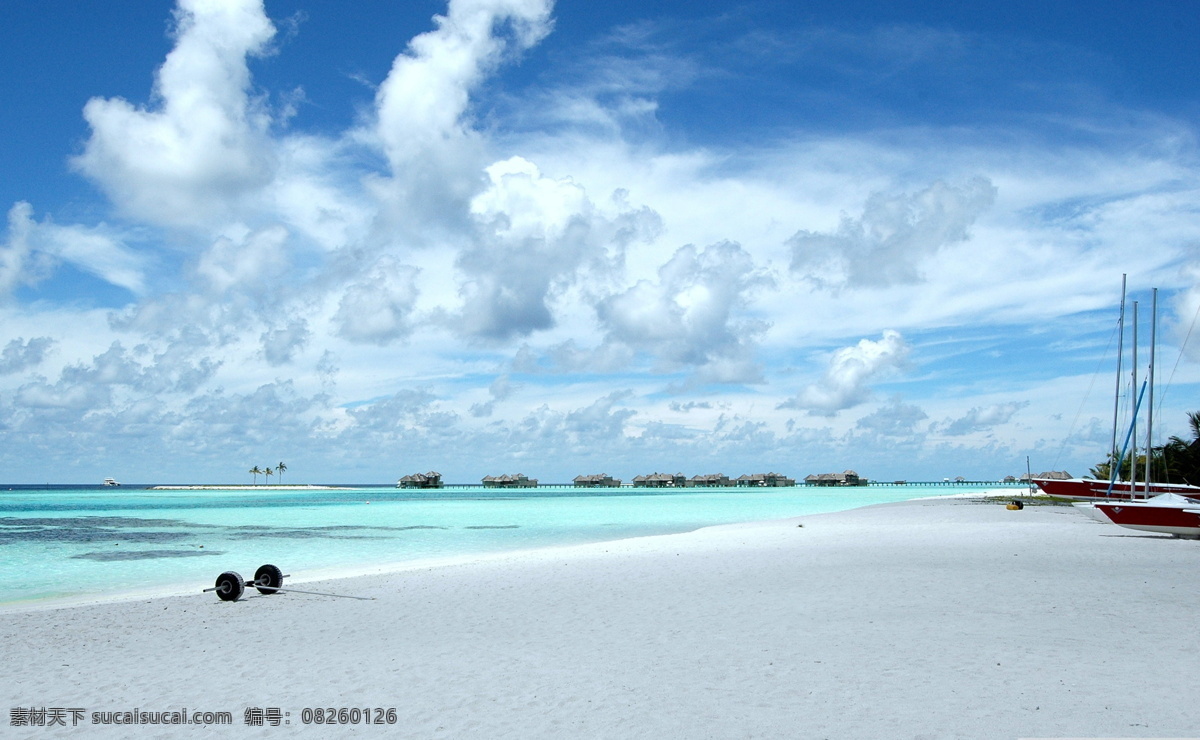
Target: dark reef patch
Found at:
120, 555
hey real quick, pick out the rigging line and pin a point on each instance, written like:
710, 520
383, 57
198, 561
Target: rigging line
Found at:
1086, 396
1182, 347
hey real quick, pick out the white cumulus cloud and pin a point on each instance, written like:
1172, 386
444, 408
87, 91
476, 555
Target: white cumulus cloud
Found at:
16, 251
19, 354
201, 145
982, 418
896, 419
846, 382
281, 345
536, 235
34, 248
694, 313
887, 244
244, 259
376, 309
421, 108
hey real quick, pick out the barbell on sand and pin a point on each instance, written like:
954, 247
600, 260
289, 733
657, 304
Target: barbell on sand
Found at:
268, 579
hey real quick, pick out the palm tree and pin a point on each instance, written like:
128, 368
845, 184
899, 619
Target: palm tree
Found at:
280, 468
255, 471
269, 472
1104, 470
1177, 461
1180, 458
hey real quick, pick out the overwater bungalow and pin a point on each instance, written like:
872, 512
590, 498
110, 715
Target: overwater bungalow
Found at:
520, 480
767, 480
712, 480
431, 479
660, 480
599, 480
845, 478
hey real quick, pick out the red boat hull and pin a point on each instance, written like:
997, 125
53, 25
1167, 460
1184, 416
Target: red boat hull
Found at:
1180, 521
1086, 489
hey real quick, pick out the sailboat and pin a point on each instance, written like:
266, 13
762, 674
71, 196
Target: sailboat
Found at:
1089, 489
1168, 513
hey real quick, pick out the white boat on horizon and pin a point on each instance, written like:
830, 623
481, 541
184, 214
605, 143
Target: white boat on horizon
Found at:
111, 482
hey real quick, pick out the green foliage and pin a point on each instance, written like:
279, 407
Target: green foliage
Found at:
1177, 461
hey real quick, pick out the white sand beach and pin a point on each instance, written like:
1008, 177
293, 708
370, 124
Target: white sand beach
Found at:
250, 487
928, 619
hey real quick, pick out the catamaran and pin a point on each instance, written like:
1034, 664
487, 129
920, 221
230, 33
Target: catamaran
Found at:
1088, 489
1167, 508
1168, 513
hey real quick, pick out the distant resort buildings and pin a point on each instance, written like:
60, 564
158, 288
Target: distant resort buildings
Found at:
679, 480
599, 480
845, 478
520, 480
421, 480
765, 480
660, 480
433, 479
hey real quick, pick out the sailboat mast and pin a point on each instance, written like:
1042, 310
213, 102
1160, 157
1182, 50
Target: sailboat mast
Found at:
1133, 426
1120, 355
1150, 374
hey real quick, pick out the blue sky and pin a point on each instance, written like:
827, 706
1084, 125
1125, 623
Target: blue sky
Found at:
565, 239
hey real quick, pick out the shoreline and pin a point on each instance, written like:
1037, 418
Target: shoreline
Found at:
340, 573
956, 617
978, 487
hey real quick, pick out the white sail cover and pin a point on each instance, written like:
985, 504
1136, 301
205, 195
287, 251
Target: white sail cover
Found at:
1173, 499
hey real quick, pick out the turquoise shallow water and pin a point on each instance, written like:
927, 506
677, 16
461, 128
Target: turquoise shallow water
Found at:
86, 542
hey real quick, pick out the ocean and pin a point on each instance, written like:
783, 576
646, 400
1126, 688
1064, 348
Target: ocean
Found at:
69, 544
